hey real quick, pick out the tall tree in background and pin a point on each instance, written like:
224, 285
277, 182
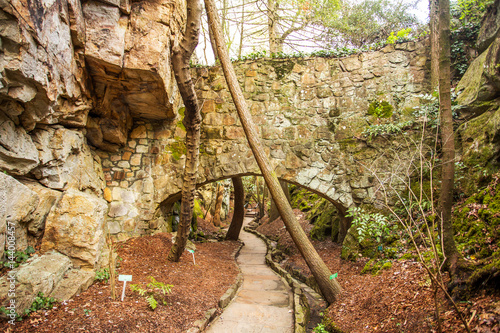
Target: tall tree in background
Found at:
365, 22
218, 204
273, 213
434, 37
447, 137
181, 53
239, 210
330, 288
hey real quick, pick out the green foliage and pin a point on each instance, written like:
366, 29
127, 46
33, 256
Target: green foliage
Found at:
333, 52
152, 302
466, 16
401, 36
477, 221
367, 21
137, 288
18, 257
369, 226
102, 275
472, 10
320, 328
177, 148
87, 312
385, 129
380, 109
164, 288
152, 289
41, 302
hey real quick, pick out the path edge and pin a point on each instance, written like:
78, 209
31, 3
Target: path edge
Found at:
301, 304
211, 314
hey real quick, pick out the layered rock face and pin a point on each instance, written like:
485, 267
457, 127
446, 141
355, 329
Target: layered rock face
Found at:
479, 100
71, 73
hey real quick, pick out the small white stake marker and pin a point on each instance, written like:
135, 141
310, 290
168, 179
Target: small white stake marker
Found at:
124, 278
192, 252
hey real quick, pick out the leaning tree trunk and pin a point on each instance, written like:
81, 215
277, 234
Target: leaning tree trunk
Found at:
330, 288
182, 51
239, 209
218, 205
447, 136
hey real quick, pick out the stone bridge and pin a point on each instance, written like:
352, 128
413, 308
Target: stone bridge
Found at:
311, 113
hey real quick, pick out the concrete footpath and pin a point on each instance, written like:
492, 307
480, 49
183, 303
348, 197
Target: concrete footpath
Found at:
263, 303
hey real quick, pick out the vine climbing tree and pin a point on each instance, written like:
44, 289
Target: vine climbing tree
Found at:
181, 53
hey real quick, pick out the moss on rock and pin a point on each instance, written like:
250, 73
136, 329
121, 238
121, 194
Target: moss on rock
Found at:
477, 222
376, 266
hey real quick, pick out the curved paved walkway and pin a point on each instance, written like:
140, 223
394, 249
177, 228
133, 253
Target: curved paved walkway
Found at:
263, 303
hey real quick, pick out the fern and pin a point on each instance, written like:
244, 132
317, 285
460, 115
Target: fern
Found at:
137, 288
165, 288
152, 302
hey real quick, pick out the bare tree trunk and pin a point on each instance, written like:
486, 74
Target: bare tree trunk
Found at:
330, 288
447, 136
218, 205
271, 24
239, 209
434, 36
273, 213
262, 208
182, 51
240, 48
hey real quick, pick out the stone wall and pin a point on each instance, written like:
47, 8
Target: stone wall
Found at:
310, 113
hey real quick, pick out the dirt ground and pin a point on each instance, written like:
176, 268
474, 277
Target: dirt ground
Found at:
399, 299
196, 289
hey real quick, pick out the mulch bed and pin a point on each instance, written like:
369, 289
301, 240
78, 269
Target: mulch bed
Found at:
196, 289
399, 299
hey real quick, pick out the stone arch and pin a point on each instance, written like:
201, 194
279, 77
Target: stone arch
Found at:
331, 195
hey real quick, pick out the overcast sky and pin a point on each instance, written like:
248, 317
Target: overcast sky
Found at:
205, 54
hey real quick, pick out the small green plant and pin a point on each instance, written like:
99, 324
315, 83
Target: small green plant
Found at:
151, 291
87, 312
320, 328
385, 129
18, 257
401, 36
165, 288
152, 302
138, 289
41, 302
102, 275
369, 226
380, 109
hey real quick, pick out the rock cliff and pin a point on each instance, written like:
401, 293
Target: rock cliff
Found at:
74, 75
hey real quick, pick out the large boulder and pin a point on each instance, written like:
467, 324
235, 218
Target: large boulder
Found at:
479, 88
490, 27
66, 161
73, 283
127, 50
18, 154
17, 202
48, 198
75, 227
40, 73
41, 274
